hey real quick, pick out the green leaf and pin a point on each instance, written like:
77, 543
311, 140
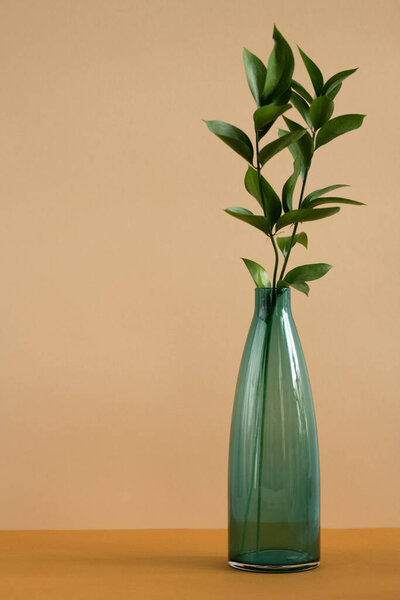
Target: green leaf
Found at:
284, 243
284, 99
338, 126
301, 238
252, 185
315, 74
290, 184
304, 214
280, 69
266, 114
272, 203
265, 130
302, 107
297, 87
295, 152
307, 273
279, 144
322, 191
301, 286
298, 285
333, 81
305, 144
234, 137
258, 273
334, 92
321, 110
331, 200
258, 221
256, 74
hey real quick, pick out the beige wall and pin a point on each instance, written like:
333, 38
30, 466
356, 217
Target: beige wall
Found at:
124, 305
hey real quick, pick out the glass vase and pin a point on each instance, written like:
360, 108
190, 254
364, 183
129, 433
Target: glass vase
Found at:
273, 456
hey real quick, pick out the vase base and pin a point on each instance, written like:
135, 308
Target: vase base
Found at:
274, 561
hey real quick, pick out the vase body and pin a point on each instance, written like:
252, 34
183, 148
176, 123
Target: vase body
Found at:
273, 456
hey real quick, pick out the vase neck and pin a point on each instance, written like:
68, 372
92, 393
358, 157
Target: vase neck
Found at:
267, 299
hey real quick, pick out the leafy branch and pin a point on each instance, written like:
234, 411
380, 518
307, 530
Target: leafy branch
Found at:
275, 92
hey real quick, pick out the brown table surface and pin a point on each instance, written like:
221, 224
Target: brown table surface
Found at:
185, 563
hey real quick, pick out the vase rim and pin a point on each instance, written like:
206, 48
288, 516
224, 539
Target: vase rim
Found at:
270, 289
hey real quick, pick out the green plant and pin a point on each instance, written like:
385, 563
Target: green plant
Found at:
275, 92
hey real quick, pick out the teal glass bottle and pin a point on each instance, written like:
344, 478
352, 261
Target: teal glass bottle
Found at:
273, 455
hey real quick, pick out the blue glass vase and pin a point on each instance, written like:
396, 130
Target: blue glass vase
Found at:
273, 456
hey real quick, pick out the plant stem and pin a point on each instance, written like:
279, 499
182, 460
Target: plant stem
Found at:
292, 241
269, 324
259, 176
276, 262
259, 441
265, 214
295, 227
257, 470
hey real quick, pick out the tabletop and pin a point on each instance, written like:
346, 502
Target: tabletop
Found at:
175, 564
